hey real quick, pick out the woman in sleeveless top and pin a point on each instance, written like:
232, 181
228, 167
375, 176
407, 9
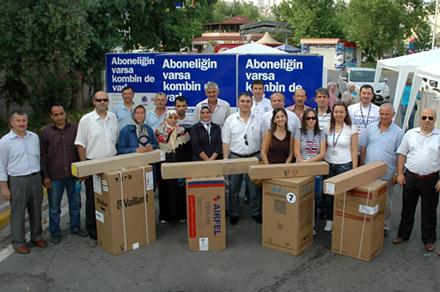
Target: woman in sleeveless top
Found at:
277, 145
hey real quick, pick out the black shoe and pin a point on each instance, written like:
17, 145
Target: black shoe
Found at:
79, 232
93, 235
55, 239
257, 218
233, 220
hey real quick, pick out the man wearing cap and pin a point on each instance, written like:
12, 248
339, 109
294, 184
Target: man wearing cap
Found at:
96, 138
419, 154
241, 136
20, 181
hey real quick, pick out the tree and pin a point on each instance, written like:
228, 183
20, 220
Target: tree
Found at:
310, 18
224, 10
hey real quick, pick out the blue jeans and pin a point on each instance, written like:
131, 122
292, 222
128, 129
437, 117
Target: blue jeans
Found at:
235, 182
55, 196
318, 192
335, 169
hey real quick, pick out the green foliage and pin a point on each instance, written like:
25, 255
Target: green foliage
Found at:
224, 10
310, 18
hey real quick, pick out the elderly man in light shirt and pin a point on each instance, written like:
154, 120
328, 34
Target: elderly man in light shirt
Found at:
96, 138
419, 153
277, 100
20, 181
379, 142
241, 136
220, 108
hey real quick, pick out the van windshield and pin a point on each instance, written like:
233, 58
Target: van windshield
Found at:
362, 76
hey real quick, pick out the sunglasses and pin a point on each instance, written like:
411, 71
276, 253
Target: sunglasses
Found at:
310, 118
101, 100
427, 117
246, 140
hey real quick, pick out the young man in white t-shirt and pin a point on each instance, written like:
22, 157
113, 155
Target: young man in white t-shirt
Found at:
364, 112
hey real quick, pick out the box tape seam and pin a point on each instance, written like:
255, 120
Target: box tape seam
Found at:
123, 210
363, 225
145, 204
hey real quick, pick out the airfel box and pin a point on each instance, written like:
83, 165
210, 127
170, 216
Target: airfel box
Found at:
358, 221
288, 207
206, 213
124, 209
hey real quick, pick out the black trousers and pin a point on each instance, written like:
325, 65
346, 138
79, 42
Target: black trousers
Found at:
90, 206
414, 188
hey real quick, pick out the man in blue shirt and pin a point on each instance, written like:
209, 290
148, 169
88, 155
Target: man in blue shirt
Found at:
20, 181
124, 110
379, 142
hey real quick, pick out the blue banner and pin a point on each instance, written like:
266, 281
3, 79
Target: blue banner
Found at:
282, 73
187, 74
135, 70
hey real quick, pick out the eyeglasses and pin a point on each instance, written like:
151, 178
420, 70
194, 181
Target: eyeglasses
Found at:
427, 117
101, 100
310, 118
246, 140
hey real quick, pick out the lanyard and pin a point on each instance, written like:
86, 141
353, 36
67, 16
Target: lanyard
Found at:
334, 134
365, 122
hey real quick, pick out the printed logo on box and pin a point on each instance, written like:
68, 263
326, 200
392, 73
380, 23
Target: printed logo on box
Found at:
217, 215
129, 202
291, 198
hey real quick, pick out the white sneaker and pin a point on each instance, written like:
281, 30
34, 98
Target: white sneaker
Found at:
328, 226
163, 222
314, 231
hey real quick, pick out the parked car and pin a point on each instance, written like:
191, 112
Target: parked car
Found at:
361, 76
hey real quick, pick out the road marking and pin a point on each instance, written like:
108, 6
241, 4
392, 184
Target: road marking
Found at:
5, 253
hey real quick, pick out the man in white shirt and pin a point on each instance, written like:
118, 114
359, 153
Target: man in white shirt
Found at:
419, 153
220, 108
241, 136
365, 112
96, 138
323, 109
156, 117
277, 100
260, 104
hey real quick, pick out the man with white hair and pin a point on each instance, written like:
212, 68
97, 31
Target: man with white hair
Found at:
379, 142
220, 108
349, 96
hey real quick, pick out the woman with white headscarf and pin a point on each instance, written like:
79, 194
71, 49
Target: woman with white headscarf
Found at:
172, 140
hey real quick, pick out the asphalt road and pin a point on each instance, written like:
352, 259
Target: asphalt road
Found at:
77, 264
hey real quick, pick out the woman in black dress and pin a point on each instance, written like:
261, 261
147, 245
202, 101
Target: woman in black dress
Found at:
206, 137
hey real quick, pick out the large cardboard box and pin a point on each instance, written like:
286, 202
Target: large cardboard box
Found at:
285, 170
124, 208
349, 180
207, 168
358, 221
96, 166
288, 207
206, 213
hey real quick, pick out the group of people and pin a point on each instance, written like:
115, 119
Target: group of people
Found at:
344, 136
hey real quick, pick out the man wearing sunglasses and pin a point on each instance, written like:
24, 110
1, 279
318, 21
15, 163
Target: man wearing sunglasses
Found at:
96, 138
419, 153
241, 135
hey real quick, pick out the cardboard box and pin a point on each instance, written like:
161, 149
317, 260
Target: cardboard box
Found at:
206, 213
283, 170
358, 221
349, 180
96, 166
288, 208
207, 168
124, 208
